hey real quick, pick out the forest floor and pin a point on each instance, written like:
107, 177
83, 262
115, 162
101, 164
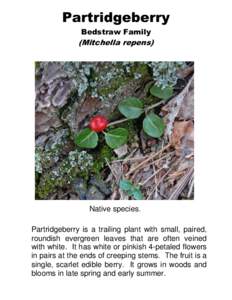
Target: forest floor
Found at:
144, 167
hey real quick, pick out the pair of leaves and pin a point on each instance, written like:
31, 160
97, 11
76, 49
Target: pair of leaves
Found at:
132, 108
131, 190
89, 139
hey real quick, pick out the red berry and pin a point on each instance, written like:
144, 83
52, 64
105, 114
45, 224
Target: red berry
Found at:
98, 123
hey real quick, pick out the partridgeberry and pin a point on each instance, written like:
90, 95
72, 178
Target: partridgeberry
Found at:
98, 123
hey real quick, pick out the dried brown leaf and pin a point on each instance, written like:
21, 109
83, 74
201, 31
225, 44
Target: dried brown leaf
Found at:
182, 138
186, 111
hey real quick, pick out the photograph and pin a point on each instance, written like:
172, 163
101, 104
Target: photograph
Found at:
114, 130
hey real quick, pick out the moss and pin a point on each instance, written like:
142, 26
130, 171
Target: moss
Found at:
76, 164
139, 68
46, 187
108, 78
51, 180
103, 153
122, 79
115, 84
84, 175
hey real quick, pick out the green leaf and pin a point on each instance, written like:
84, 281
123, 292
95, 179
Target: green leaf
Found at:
158, 92
125, 185
153, 125
137, 194
86, 138
131, 107
130, 189
116, 137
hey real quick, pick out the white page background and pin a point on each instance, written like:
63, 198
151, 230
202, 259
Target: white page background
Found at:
33, 32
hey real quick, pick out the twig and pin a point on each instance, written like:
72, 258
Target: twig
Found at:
111, 169
153, 175
146, 160
117, 122
125, 160
162, 148
154, 105
134, 175
153, 164
162, 157
191, 186
181, 185
156, 186
161, 179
